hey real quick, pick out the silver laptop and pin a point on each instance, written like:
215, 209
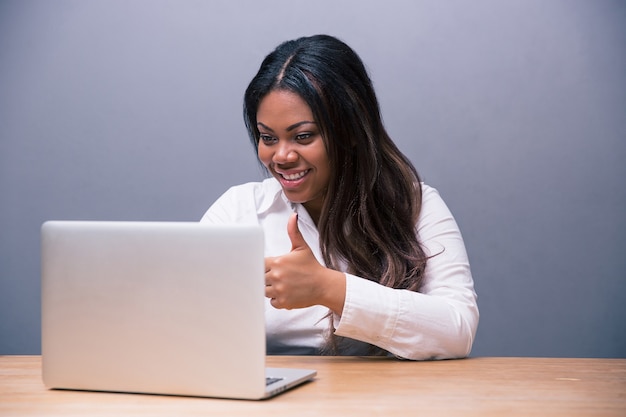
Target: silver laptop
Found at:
157, 307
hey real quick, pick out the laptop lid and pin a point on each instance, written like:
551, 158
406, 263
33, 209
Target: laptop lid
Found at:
156, 307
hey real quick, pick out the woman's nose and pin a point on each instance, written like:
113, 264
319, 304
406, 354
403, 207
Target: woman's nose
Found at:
285, 153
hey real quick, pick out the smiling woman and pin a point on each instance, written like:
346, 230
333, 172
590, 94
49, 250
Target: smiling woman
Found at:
292, 149
351, 233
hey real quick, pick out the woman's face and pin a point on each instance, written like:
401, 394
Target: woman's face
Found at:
292, 149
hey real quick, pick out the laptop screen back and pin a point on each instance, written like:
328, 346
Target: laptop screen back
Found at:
173, 308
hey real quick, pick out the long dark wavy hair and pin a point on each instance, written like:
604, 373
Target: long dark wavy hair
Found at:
374, 196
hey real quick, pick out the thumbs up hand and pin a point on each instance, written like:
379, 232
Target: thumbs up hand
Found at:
298, 280
297, 240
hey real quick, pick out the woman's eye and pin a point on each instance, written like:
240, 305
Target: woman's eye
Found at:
303, 136
267, 139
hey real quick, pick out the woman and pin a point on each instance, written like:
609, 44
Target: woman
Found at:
362, 258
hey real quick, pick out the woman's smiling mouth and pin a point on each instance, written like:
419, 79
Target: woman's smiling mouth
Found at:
292, 180
294, 176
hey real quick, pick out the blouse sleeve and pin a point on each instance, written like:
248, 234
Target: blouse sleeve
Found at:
440, 321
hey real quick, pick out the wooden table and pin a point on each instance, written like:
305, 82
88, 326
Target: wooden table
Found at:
349, 386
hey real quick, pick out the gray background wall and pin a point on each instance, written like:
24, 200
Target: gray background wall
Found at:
514, 109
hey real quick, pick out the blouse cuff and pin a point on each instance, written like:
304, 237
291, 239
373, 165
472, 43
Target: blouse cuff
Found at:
370, 312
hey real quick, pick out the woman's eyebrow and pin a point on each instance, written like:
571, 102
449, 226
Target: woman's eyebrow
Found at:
265, 127
296, 125
289, 129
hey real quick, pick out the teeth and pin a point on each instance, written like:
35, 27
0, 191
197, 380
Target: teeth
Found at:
296, 176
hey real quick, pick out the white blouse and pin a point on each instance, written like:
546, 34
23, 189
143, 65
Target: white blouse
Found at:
439, 322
